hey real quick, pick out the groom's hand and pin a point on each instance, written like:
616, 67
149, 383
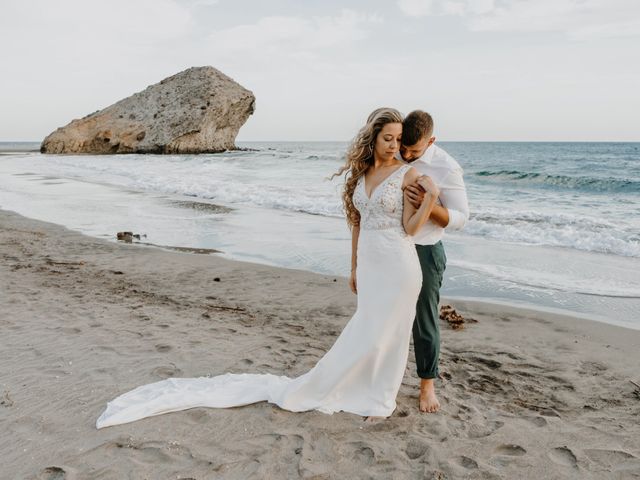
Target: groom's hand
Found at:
415, 193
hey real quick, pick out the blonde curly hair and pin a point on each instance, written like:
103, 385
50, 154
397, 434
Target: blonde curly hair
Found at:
359, 157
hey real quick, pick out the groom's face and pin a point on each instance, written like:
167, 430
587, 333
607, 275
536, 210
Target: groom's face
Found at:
413, 152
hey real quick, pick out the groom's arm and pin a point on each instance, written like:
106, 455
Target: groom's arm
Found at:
440, 216
453, 195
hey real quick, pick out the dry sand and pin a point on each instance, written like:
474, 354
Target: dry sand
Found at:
524, 394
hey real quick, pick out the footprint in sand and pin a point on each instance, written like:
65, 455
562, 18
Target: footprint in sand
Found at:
480, 431
416, 448
510, 449
381, 426
161, 347
199, 415
466, 462
537, 421
260, 450
166, 371
465, 412
52, 473
563, 456
487, 384
615, 460
363, 453
506, 454
145, 454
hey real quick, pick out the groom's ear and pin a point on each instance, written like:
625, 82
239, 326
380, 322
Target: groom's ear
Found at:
432, 140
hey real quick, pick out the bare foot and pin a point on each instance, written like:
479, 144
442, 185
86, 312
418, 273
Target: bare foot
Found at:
428, 401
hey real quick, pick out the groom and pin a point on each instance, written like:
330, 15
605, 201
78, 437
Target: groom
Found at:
451, 213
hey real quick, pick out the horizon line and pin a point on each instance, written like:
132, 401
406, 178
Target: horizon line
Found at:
438, 141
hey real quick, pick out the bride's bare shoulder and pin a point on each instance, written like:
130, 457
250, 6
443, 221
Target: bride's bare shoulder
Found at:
410, 176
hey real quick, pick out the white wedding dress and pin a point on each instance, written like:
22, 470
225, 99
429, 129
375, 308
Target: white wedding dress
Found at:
361, 373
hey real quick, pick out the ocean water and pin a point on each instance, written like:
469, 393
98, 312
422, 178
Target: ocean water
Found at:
555, 225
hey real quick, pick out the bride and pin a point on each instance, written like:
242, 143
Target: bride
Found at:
362, 372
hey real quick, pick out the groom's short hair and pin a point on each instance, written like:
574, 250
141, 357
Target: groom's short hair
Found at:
416, 126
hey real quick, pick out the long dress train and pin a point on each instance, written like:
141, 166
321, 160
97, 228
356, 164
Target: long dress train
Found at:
361, 373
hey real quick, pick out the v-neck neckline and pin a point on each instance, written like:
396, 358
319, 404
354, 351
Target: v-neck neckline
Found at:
364, 183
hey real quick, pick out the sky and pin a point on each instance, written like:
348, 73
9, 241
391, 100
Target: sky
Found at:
487, 70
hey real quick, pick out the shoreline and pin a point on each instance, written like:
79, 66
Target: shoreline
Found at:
524, 393
470, 299
472, 303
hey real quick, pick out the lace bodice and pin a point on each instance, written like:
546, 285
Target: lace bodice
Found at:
384, 209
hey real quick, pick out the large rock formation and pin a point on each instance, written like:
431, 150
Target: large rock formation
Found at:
195, 111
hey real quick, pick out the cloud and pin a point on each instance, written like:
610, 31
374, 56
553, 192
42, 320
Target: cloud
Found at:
417, 8
287, 34
422, 8
148, 19
200, 3
291, 49
577, 19
64, 59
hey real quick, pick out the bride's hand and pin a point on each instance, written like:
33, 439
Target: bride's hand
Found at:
352, 282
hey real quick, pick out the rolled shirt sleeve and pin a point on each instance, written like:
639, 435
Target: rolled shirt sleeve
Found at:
453, 196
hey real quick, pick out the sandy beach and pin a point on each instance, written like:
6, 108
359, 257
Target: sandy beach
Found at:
525, 394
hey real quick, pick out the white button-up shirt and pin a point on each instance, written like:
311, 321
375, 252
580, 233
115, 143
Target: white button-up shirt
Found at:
447, 175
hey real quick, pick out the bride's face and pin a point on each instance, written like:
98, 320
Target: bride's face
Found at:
388, 141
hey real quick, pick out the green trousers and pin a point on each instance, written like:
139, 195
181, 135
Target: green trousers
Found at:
426, 332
